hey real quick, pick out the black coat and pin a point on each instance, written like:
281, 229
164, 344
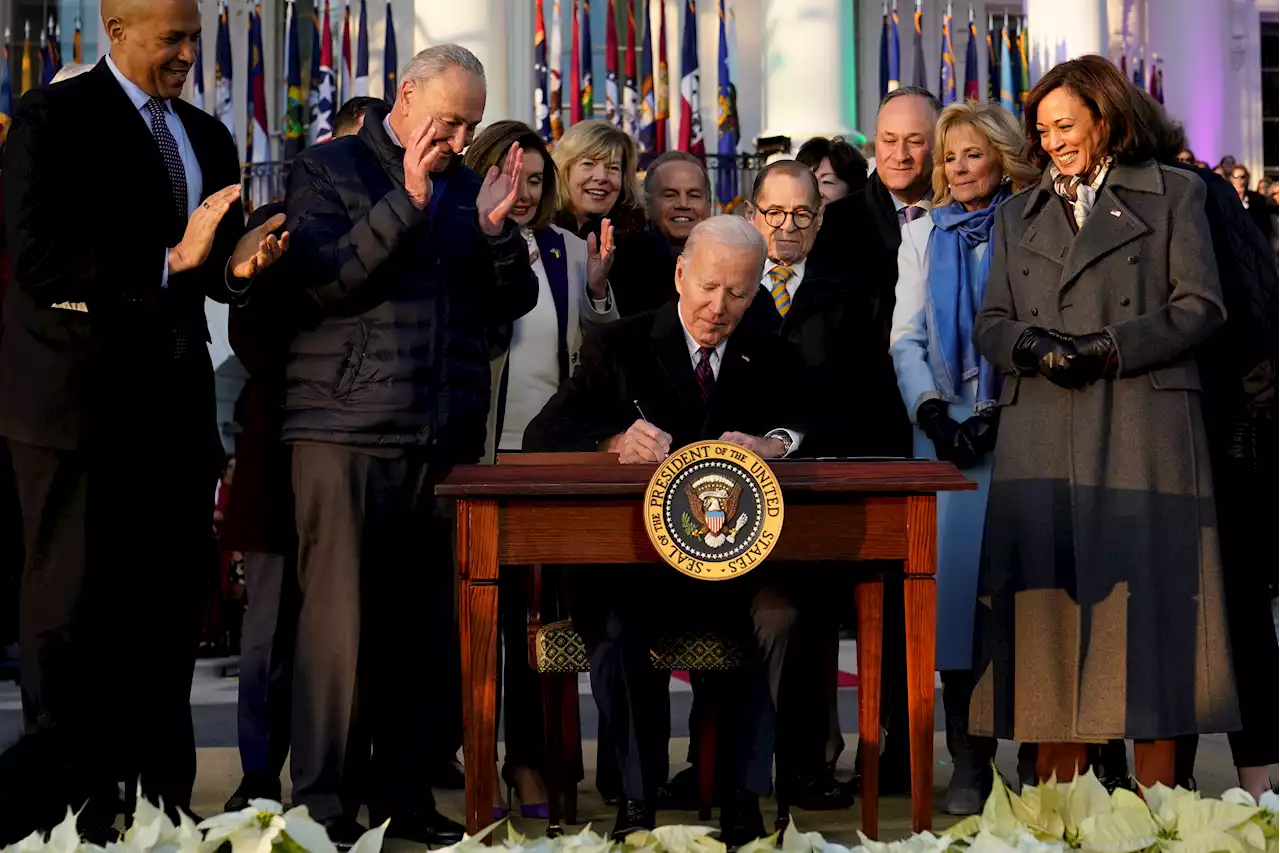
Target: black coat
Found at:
259, 515
400, 357
76, 234
834, 326
643, 362
1259, 212
858, 242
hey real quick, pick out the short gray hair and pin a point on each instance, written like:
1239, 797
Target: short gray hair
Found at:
728, 230
437, 59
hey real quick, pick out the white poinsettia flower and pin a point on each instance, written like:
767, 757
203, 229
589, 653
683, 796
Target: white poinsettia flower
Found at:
795, 841
672, 839
988, 842
370, 841
64, 838
251, 830
924, 842
1239, 797
768, 844
1269, 801
306, 833
583, 841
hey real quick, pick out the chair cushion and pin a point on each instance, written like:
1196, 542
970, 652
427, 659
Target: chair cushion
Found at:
560, 649
695, 650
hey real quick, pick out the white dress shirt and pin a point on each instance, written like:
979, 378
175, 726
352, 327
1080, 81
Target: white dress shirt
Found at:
793, 283
190, 165
717, 358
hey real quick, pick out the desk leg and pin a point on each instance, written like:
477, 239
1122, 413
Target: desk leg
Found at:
478, 600
869, 596
920, 595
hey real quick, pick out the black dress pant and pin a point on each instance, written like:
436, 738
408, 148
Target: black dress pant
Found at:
112, 595
376, 695
621, 611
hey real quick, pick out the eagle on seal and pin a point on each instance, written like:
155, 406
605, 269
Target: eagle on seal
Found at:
713, 500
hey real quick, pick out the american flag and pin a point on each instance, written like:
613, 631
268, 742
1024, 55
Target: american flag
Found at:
322, 122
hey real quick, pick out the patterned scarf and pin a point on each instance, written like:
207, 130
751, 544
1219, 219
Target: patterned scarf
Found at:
1081, 190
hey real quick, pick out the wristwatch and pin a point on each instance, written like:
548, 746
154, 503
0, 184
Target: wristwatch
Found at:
785, 437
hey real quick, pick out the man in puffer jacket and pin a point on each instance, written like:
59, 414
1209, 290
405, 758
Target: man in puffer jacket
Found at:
407, 255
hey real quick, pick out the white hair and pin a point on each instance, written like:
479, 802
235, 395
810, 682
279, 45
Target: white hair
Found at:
439, 58
71, 69
728, 230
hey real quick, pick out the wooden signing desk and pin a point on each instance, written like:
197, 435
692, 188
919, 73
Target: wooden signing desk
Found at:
525, 514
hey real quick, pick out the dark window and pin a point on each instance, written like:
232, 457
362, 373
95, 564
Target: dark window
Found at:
1270, 98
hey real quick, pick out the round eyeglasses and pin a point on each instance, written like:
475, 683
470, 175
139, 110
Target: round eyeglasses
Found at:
776, 217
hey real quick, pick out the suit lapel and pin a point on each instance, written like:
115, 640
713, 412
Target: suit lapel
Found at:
733, 385
136, 145
1050, 235
672, 352
1110, 225
552, 251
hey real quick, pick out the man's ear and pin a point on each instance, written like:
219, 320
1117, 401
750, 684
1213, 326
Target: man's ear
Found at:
680, 274
114, 28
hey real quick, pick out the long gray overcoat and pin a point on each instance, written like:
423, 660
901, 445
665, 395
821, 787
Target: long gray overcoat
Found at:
1100, 611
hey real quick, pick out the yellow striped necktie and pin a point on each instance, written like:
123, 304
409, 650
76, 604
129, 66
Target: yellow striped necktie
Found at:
780, 275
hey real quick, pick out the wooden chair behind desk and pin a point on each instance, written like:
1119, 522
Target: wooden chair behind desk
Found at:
557, 653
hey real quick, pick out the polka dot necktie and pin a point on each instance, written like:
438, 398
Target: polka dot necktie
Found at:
169, 151
780, 275
705, 375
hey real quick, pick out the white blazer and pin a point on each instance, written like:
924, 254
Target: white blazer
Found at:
579, 306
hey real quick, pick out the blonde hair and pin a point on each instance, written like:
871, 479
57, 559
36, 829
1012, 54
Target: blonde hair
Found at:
1003, 134
596, 140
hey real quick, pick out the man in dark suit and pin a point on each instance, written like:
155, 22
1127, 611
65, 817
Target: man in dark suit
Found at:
863, 232
108, 400
407, 256
690, 373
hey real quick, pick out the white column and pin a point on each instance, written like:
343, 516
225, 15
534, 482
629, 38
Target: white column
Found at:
805, 85
485, 28
1212, 76
1064, 29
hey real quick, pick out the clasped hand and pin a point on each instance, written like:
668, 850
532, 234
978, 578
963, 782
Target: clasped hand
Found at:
1069, 361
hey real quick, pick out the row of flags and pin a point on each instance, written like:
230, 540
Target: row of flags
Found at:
1154, 84
635, 95
331, 85
1008, 77
38, 69
1008, 70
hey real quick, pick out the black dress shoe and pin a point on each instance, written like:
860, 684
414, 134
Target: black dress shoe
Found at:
681, 793
253, 787
821, 794
740, 820
449, 775
633, 816
343, 831
427, 827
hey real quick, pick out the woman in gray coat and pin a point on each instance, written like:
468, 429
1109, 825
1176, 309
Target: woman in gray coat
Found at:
1100, 611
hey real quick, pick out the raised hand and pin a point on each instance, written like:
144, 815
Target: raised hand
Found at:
499, 192
259, 248
642, 442
197, 241
420, 155
600, 260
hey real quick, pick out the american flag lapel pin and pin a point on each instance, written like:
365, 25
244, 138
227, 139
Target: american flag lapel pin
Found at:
1115, 213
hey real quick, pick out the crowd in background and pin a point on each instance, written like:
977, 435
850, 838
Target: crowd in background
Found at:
1071, 309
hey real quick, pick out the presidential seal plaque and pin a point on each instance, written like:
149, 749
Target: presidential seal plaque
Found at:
713, 510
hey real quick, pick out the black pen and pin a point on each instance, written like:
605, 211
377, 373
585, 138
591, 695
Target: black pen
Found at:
636, 403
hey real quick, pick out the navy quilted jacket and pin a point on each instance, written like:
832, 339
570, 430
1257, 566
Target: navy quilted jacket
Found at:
399, 357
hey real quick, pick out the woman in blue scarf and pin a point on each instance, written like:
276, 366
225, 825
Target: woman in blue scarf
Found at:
950, 390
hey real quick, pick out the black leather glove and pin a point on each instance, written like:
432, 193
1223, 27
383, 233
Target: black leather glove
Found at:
981, 431
949, 440
1096, 358
1048, 353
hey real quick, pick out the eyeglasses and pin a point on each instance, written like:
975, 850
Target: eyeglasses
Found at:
776, 217
1239, 176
